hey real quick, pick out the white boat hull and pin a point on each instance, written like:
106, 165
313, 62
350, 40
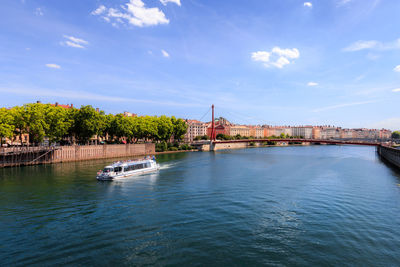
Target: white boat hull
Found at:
124, 174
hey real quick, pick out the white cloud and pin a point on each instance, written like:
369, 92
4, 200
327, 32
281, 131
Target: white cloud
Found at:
396, 90
277, 57
261, 56
134, 12
281, 62
312, 84
100, 10
308, 4
74, 42
343, 2
343, 105
373, 45
165, 2
164, 53
39, 12
53, 66
397, 68
360, 45
289, 53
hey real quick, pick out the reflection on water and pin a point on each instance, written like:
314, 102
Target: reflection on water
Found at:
317, 205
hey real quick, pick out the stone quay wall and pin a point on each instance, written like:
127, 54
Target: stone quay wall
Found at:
390, 154
32, 156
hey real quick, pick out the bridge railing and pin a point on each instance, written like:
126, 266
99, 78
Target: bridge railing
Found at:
287, 140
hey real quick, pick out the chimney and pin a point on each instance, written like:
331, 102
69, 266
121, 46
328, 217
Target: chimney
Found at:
56, 104
97, 110
72, 105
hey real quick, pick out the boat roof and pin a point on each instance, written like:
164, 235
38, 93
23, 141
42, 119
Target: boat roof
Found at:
128, 162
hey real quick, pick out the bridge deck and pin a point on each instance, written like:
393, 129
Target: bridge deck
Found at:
320, 141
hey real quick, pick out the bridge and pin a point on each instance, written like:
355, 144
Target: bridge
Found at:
242, 143
214, 144
298, 140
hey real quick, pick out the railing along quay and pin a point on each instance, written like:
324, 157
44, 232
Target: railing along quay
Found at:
16, 156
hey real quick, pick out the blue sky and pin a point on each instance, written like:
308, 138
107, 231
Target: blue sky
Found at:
280, 62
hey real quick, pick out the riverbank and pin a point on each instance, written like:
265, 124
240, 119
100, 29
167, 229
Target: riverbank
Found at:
178, 151
47, 155
390, 154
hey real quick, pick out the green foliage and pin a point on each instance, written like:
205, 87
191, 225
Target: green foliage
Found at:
58, 122
201, 137
162, 146
396, 135
165, 128
87, 123
173, 148
6, 124
67, 125
224, 137
185, 147
179, 128
35, 120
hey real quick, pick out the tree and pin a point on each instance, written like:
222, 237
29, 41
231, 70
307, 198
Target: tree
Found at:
107, 130
87, 123
180, 128
58, 123
19, 121
123, 127
6, 124
35, 121
147, 127
396, 135
165, 128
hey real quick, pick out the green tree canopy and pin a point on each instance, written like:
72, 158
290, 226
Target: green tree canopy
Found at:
35, 120
180, 128
6, 124
396, 135
87, 123
58, 123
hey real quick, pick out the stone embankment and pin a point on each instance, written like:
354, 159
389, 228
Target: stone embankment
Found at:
43, 155
390, 154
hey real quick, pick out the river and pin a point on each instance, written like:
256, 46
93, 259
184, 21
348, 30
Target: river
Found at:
282, 206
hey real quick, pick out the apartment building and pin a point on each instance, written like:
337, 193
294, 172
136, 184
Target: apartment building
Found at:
195, 128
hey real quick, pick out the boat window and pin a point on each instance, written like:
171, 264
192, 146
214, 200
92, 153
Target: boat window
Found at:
118, 169
107, 169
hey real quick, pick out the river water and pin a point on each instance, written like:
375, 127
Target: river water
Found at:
282, 206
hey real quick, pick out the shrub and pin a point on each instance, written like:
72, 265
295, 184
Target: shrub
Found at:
161, 147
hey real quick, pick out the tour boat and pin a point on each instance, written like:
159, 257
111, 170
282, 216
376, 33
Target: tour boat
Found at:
122, 169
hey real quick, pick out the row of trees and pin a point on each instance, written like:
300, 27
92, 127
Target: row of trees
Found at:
80, 125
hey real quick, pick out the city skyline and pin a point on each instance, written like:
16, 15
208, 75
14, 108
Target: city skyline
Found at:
276, 63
